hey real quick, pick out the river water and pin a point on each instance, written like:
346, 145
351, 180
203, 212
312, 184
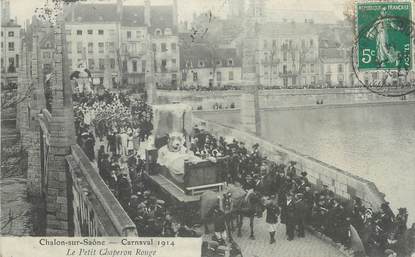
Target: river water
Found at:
374, 142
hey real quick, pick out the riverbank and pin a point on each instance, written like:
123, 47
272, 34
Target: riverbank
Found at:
282, 98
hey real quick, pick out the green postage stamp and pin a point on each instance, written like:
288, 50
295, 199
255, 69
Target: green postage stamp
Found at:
384, 31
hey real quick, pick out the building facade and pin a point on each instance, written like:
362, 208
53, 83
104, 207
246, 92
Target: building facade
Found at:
127, 38
205, 67
286, 54
10, 47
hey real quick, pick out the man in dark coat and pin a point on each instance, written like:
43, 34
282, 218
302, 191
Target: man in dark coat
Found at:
219, 222
289, 216
273, 212
124, 191
301, 209
105, 169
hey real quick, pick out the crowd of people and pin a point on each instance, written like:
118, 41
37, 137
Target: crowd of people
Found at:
298, 203
292, 199
110, 143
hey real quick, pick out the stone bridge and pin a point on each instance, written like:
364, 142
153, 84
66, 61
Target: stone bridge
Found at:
76, 200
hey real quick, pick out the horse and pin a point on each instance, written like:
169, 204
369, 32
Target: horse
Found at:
244, 205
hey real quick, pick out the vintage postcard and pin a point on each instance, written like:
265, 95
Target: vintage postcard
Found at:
232, 128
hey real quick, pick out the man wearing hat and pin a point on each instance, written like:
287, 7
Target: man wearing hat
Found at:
401, 220
291, 170
226, 205
301, 209
289, 216
273, 212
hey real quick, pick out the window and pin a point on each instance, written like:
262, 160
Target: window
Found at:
112, 63
47, 67
163, 65
68, 32
201, 64
143, 66
2, 33
230, 75
158, 32
340, 68
154, 47
219, 76
91, 64
46, 55
69, 47
284, 69
70, 62
1, 44
194, 76
285, 82
163, 47
128, 34
101, 64
79, 32
101, 47
17, 60
303, 68
173, 46
138, 34
167, 31
312, 68
294, 81
79, 47
90, 31
111, 47
90, 47
112, 33
100, 32
134, 66
230, 62
11, 46
11, 33
173, 63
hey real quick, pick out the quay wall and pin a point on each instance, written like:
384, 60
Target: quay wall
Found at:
278, 98
341, 182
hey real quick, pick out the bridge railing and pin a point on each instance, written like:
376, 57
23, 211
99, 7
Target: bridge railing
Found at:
342, 183
96, 211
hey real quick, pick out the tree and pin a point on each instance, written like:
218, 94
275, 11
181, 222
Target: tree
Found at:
11, 99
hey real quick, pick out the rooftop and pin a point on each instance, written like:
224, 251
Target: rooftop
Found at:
209, 55
161, 16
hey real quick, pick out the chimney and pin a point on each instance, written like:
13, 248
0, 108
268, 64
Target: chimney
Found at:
147, 18
175, 14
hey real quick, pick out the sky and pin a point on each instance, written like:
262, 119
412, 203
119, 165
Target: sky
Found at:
24, 9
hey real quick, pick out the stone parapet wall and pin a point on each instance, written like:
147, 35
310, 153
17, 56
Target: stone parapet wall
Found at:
342, 183
96, 211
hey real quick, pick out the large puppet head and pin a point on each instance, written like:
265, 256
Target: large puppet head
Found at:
176, 142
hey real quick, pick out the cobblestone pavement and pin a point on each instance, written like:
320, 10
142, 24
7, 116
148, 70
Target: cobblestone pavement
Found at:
310, 246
